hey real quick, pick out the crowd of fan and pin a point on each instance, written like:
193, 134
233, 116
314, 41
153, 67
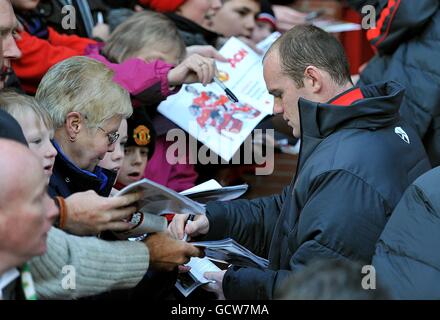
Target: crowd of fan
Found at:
79, 121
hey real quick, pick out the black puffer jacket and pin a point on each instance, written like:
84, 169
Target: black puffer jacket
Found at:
407, 41
357, 158
407, 258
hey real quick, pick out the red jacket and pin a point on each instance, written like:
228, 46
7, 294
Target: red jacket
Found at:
38, 55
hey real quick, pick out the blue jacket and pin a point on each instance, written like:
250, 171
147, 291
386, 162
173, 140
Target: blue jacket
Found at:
407, 258
357, 158
67, 178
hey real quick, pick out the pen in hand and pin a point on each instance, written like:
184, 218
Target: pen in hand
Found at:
228, 91
190, 218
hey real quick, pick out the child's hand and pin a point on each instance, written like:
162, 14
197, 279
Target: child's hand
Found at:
194, 68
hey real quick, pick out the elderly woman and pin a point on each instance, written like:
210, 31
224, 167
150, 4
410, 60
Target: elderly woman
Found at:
86, 107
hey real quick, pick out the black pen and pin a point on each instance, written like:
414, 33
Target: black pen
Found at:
190, 218
228, 92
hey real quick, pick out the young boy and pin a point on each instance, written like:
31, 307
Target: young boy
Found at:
138, 148
265, 23
36, 124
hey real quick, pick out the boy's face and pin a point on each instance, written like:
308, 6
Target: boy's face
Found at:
134, 164
236, 18
113, 160
38, 138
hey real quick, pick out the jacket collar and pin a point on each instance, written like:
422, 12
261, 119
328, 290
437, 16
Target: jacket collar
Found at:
370, 107
100, 180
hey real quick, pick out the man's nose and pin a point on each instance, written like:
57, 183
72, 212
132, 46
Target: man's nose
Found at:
10, 49
277, 108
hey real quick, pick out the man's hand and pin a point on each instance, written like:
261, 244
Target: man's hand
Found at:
194, 68
206, 51
179, 226
89, 214
217, 286
167, 253
288, 17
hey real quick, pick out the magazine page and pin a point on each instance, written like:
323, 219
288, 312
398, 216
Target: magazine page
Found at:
158, 199
208, 115
205, 186
212, 191
230, 251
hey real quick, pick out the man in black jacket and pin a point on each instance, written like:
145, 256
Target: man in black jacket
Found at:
407, 258
407, 44
357, 157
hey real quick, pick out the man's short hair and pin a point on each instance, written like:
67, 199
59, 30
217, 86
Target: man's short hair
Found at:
84, 85
17, 105
307, 45
329, 280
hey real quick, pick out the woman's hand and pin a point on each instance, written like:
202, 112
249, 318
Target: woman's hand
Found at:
195, 68
89, 214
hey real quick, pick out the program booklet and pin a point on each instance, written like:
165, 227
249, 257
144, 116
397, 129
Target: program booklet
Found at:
213, 191
226, 252
231, 252
187, 282
208, 115
158, 199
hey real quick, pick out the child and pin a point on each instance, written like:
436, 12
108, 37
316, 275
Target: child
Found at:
36, 124
265, 23
138, 148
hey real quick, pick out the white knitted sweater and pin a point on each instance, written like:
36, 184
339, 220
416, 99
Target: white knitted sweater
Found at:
99, 265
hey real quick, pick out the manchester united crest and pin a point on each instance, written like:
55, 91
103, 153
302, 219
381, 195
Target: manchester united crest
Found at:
141, 135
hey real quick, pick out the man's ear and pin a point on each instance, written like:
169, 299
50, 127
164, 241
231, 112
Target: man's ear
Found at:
313, 79
74, 124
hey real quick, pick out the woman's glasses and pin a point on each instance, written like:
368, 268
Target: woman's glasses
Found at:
111, 136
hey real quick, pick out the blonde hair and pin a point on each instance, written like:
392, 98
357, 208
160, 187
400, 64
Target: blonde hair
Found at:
18, 105
145, 29
84, 85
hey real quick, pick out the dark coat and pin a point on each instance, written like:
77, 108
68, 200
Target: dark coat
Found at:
408, 51
353, 168
407, 258
68, 179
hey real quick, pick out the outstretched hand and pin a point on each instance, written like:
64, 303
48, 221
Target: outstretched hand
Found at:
89, 214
